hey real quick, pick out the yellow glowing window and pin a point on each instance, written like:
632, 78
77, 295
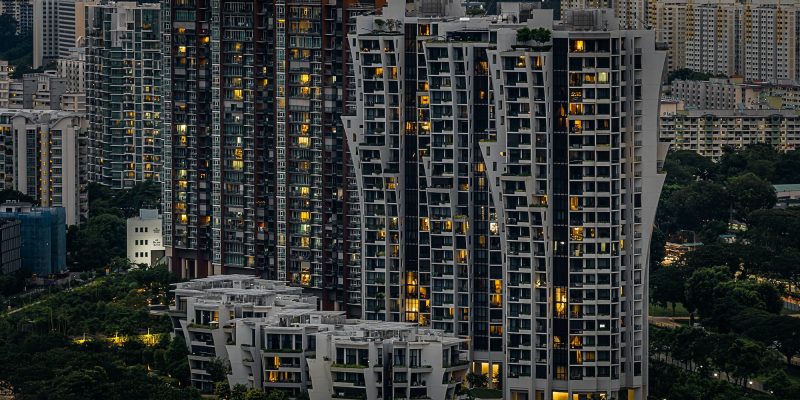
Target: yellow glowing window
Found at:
462, 256
237, 165
238, 153
496, 300
576, 234
498, 286
574, 203
576, 342
425, 86
182, 49
447, 226
412, 305
602, 77
305, 90
305, 216
303, 141
238, 94
305, 78
424, 100
206, 39
305, 241
424, 224
379, 72
184, 219
237, 46
580, 46
304, 190
496, 330
480, 167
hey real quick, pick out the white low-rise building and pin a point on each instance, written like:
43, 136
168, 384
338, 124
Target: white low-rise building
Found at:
387, 360
274, 338
145, 239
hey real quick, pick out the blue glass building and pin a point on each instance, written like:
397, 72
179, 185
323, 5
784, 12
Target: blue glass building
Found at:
44, 236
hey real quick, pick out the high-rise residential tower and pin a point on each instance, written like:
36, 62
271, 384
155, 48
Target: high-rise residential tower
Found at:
255, 157
508, 177
123, 93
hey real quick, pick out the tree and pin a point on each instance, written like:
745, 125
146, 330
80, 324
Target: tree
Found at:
276, 394
684, 167
697, 203
780, 331
688, 74
222, 390
749, 193
102, 239
700, 289
690, 346
7, 195
477, 380
217, 370
238, 392
541, 35
667, 286
523, 34
781, 386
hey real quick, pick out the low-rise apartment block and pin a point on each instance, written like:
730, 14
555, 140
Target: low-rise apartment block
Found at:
709, 132
730, 93
274, 338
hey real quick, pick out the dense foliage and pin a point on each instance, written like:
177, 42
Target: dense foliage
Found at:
687, 74
15, 48
57, 366
100, 242
735, 282
673, 383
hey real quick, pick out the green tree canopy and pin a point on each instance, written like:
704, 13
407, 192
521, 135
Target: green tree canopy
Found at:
749, 193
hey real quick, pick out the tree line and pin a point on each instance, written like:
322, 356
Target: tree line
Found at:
57, 365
